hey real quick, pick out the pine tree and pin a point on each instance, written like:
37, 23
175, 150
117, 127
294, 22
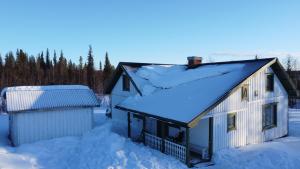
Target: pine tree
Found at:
1, 72
80, 71
289, 64
21, 68
107, 71
9, 71
100, 66
32, 71
90, 69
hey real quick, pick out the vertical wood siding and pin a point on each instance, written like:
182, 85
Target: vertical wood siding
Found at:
249, 114
119, 117
33, 126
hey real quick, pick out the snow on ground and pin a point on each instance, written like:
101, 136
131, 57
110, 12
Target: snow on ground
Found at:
283, 153
97, 149
101, 148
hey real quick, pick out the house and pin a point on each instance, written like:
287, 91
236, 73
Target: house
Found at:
46, 112
191, 111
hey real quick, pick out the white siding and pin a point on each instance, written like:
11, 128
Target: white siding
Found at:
33, 126
119, 117
249, 114
199, 135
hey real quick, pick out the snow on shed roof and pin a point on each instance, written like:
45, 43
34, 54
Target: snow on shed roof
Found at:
180, 94
23, 98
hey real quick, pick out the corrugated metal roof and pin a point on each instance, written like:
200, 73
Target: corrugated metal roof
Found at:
48, 97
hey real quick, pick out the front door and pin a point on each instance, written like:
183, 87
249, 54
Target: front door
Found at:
161, 129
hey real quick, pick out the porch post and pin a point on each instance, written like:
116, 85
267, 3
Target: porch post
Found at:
211, 135
187, 148
163, 136
128, 125
144, 128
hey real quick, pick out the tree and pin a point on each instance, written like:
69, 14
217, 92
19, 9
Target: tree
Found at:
100, 66
107, 71
90, 69
1, 72
81, 71
24, 69
9, 71
21, 68
289, 64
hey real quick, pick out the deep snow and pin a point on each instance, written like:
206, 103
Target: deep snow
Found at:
102, 148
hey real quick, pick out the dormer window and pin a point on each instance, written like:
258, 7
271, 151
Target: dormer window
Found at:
126, 83
270, 82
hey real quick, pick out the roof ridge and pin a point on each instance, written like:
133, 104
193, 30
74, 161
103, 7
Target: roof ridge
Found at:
221, 62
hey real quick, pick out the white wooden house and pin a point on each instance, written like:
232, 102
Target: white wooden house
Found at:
190, 111
46, 112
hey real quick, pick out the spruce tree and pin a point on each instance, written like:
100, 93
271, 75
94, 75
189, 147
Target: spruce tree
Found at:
90, 68
107, 71
1, 72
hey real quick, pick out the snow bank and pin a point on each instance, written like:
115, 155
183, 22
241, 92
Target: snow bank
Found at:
273, 155
98, 149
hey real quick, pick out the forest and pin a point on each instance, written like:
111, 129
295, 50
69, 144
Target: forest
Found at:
20, 68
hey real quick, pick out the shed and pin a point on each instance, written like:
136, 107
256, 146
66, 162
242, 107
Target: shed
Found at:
46, 112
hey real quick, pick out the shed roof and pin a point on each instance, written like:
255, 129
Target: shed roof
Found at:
181, 95
24, 98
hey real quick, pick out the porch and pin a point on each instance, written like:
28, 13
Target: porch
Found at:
169, 138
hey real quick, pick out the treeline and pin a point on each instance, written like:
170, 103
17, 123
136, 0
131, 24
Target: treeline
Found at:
23, 69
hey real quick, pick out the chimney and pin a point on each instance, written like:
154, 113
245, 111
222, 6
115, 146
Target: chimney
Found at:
194, 61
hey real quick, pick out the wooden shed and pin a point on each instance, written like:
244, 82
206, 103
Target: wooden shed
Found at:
191, 111
46, 112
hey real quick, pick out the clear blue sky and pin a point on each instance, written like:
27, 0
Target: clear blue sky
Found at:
152, 31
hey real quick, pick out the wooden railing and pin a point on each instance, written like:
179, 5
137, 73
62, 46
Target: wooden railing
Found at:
176, 150
153, 141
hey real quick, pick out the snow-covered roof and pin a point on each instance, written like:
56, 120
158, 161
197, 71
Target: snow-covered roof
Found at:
180, 94
23, 98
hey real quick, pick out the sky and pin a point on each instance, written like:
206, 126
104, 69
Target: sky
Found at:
152, 31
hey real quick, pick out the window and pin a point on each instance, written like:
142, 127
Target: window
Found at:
244, 92
270, 82
126, 83
269, 116
231, 121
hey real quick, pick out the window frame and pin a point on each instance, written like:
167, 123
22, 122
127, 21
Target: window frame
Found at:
126, 83
270, 87
243, 98
231, 127
274, 115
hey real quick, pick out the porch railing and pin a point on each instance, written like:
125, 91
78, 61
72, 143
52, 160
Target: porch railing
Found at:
153, 141
176, 150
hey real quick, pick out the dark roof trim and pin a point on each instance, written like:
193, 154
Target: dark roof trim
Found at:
194, 121
118, 73
134, 84
285, 79
153, 116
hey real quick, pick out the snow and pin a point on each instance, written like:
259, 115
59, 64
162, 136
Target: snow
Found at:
171, 89
281, 153
48, 97
101, 148
97, 149
44, 88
